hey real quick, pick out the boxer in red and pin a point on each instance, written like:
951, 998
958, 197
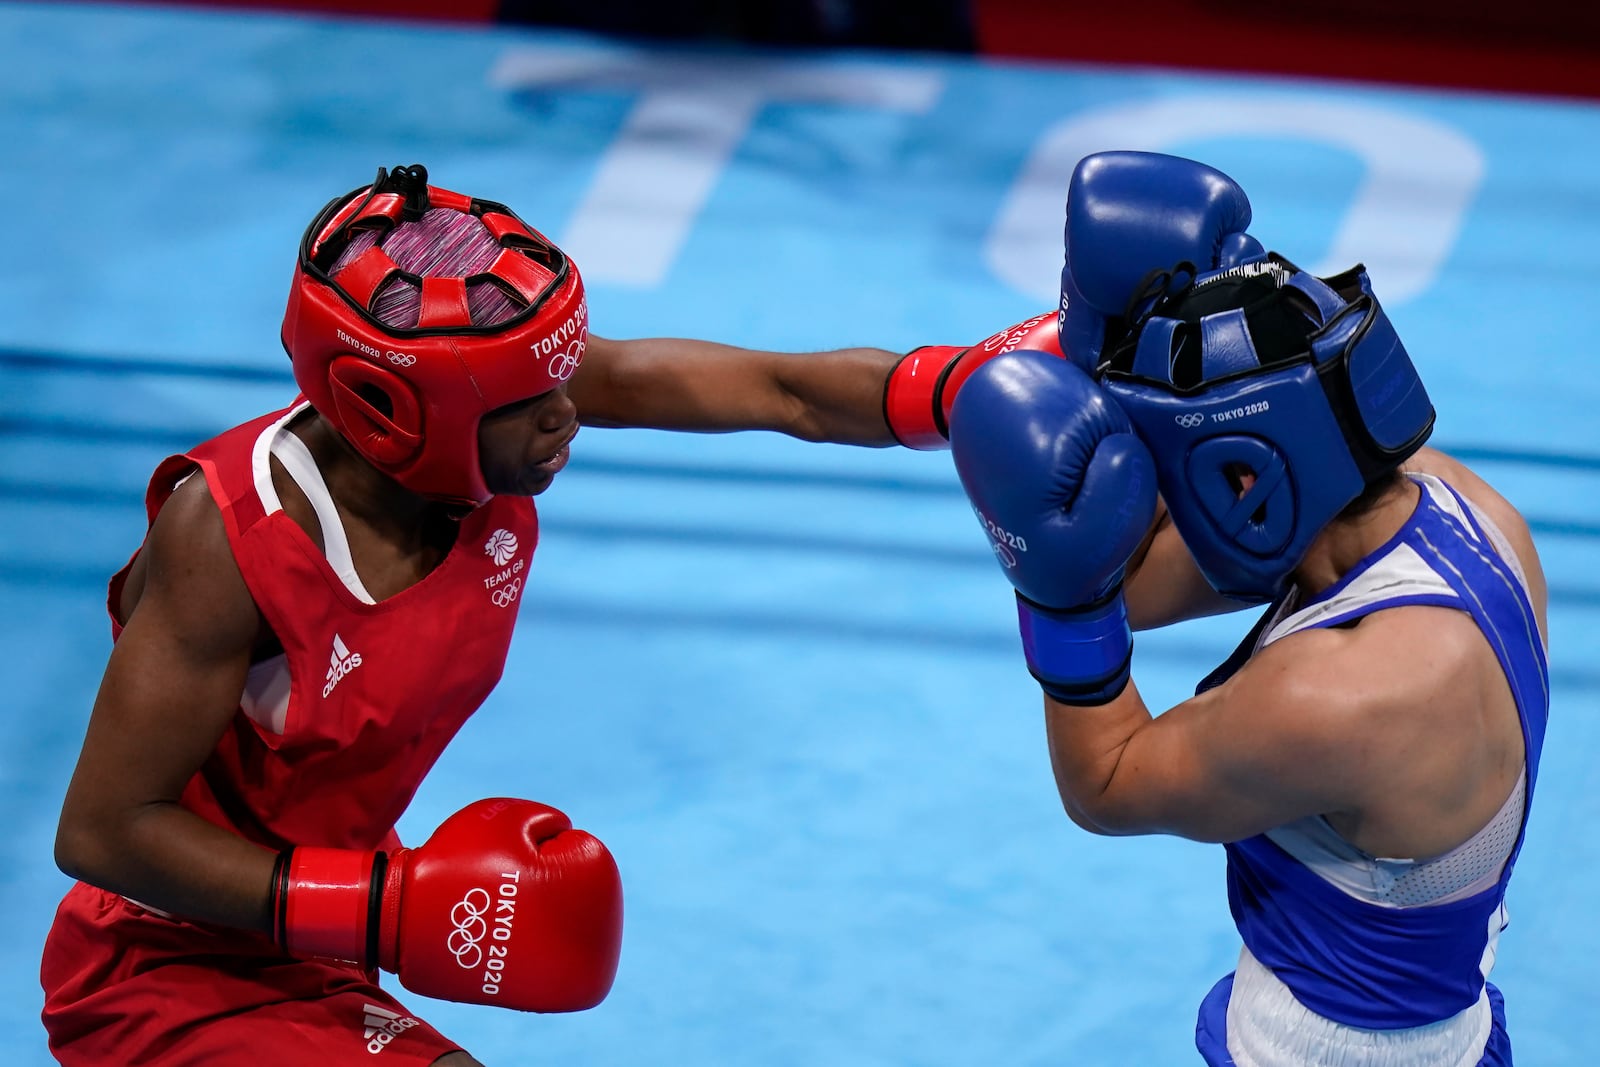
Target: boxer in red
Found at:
324, 595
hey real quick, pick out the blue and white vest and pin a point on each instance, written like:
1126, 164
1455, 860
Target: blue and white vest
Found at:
1332, 975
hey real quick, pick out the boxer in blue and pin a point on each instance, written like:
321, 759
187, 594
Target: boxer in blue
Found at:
1227, 431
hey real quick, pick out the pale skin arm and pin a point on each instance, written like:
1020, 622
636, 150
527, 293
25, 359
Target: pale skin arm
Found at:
1163, 585
170, 689
675, 384
1401, 729
1321, 722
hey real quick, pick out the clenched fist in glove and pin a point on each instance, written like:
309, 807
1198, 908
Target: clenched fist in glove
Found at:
1066, 492
505, 904
924, 384
1130, 213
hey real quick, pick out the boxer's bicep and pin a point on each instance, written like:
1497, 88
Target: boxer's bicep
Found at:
1290, 735
171, 685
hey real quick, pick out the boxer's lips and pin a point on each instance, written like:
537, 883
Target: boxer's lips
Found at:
553, 463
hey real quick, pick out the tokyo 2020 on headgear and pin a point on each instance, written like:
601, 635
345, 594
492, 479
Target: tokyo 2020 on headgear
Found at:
1301, 381
410, 400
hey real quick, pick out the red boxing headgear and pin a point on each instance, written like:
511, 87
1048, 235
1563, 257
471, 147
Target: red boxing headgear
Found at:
410, 400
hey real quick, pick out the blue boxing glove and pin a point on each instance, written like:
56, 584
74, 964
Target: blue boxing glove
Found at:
1130, 213
1066, 492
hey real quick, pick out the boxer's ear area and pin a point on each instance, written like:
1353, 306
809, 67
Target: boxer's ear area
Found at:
379, 399
1242, 478
379, 411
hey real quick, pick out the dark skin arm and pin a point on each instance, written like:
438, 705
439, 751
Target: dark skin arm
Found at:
673, 384
172, 685
837, 396
170, 689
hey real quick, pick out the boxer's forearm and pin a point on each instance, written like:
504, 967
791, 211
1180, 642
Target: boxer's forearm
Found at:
677, 384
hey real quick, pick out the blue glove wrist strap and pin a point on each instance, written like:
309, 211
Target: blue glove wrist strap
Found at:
1081, 656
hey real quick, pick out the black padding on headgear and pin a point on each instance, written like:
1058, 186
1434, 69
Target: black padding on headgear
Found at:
1279, 321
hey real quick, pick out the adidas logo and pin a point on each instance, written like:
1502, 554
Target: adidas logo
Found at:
341, 663
381, 1026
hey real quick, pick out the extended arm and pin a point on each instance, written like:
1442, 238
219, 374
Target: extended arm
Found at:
858, 396
675, 384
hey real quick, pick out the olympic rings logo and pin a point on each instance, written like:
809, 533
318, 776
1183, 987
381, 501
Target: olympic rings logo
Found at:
1004, 554
507, 594
401, 359
1190, 420
464, 941
565, 363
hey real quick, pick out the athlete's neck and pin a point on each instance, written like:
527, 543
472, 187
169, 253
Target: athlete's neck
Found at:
365, 493
1343, 543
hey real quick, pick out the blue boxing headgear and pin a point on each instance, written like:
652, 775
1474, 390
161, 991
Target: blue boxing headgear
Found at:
1300, 381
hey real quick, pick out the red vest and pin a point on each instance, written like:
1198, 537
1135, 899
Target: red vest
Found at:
375, 691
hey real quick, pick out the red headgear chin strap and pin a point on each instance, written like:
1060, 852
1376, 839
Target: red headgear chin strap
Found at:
410, 400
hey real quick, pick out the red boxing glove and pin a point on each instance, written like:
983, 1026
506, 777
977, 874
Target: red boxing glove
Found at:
505, 904
923, 385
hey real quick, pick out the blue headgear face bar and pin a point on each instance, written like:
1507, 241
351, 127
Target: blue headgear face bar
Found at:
1300, 381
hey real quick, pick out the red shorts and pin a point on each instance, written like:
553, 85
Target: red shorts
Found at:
125, 986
